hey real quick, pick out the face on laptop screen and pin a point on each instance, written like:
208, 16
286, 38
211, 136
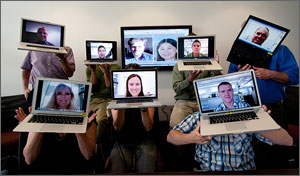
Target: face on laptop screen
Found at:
57, 96
134, 84
195, 47
42, 33
98, 50
230, 92
262, 35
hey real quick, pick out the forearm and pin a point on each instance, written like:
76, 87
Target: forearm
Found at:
107, 79
67, 68
93, 78
118, 118
280, 77
87, 141
25, 78
147, 118
280, 137
177, 138
33, 147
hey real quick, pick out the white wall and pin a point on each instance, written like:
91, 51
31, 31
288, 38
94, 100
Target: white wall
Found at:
102, 20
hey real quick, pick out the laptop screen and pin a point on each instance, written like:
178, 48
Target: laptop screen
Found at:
262, 34
129, 84
101, 50
61, 96
42, 33
237, 90
196, 47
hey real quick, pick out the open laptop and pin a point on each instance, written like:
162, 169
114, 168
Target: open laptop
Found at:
256, 43
42, 36
140, 94
46, 115
204, 61
100, 52
248, 115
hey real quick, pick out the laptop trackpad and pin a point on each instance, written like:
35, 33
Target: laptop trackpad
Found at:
51, 128
237, 126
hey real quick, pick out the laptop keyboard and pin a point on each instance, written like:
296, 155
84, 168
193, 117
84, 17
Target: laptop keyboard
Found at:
233, 117
56, 119
43, 47
197, 63
135, 101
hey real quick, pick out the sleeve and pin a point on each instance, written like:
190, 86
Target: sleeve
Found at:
70, 57
189, 123
233, 68
179, 82
288, 65
262, 139
26, 65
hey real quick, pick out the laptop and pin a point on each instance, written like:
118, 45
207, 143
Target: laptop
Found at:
49, 116
142, 89
42, 36
247, 116
205, 60
100, 52
256, 43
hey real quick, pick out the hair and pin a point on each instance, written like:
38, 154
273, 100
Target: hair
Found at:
196, 41
132, 66
130, 41
127, 91
53, 103
101, 46
265, 28
41, 28
223, 83
168, 40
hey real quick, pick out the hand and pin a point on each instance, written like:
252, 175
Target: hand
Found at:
193, 75
262, 73
246, 67
217, 56
266, 109
21, 114
92, 116
104, 68
26, 93
62, 57
197, 138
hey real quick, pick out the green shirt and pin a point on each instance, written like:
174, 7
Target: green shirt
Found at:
100, 90
183, 88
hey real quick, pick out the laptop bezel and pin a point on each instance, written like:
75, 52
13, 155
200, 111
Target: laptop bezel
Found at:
267, 23
23, 28
88, 51
195, 37
128, 98
67, 113
232, 110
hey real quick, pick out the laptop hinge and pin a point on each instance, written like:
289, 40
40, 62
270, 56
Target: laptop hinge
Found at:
229, 112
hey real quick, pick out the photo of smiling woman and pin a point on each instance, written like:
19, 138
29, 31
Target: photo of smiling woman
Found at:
62, 98
134, 86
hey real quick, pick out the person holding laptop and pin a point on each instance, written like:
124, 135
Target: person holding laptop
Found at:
227, 152
99, 76
59, 153
134, 149
48, 65
226, 93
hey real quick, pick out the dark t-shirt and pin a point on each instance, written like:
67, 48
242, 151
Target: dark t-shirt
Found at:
133, 130
60, 155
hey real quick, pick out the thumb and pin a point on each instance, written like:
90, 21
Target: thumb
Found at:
255, 67
198, 126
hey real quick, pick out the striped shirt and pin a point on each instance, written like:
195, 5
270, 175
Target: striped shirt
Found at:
236, 105
222, 153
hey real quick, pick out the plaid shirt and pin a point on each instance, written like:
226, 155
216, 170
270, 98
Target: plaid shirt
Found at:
228, 152
236, 105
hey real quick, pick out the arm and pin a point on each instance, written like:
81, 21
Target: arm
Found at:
64, 61
87, 141
147, 118
178, 138
266, 74
105, 69
67, 68
280, 137
91, 74
33, 147
25, 78
118, 118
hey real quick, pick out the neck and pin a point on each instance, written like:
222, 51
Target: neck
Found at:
229, 105
195, 54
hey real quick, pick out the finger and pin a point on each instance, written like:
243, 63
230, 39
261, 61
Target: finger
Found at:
29, 109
